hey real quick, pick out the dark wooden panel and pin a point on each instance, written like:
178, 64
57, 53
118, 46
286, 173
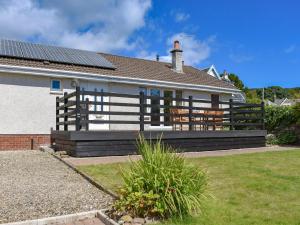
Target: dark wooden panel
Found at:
132, 135
103, 153
106, 148
201, 145
105, 143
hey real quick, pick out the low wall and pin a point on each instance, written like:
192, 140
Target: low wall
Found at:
23, 141
109, 143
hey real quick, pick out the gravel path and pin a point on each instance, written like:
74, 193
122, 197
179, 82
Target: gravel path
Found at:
34, 184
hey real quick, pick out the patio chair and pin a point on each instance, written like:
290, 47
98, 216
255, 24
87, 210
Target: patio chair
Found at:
178, 117
213, 117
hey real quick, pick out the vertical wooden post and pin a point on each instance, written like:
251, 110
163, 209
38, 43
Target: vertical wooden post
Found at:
65, 111
78, 116
87, 114
231, 114
57, 113
263, 115
95, 100
102, 99
142, 111
190, 112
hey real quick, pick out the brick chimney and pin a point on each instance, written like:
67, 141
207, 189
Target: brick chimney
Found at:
177, 57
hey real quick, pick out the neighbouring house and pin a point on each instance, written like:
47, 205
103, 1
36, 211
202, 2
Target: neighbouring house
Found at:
212, 71
32, 76
282, 102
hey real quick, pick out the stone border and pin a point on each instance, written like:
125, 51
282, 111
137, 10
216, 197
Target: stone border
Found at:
105, 219
67, 219
84, 175
71, 218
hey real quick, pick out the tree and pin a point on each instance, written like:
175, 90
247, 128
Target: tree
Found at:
251, 96
273, 92
236, 81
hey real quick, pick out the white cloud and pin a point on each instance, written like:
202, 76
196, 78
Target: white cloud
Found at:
195, 51
290, 49
180, 17
97, 25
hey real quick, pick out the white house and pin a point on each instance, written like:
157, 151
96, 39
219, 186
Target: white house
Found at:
282, 102
32, 76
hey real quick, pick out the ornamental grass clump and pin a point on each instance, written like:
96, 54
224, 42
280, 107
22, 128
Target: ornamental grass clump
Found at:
161, 184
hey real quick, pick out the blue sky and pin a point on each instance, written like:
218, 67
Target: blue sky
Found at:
257, 40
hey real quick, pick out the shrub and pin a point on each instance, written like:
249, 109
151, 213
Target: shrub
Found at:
278, 118
286, 137
161, 184
282, 138
296, 110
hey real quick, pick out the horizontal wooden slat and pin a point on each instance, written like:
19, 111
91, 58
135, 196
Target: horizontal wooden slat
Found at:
72, 122
70, 103
108, 94
246, 104
73, 112
208, 123
198, 115
111, 103
247, 111
110, 113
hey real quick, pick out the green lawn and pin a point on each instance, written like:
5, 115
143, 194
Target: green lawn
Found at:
258, 188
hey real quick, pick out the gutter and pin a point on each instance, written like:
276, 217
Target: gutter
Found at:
111, 79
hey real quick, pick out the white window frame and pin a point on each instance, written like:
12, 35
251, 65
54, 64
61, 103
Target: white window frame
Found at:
56, 91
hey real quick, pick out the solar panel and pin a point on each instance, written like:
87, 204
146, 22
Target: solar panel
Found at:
78, 57
9, 47
53, 54
32, 51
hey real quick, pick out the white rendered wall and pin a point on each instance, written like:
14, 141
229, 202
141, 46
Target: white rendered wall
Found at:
26, 105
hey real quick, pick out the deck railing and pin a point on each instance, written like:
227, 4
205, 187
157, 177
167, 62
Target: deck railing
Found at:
74, 112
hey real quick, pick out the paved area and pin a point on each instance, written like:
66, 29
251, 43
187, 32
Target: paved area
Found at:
34, 185
93, 221
117, 159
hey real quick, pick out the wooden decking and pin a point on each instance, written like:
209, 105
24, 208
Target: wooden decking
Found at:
203, 125
109, 143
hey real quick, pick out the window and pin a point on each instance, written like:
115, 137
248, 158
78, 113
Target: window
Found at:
178, 94
56, 85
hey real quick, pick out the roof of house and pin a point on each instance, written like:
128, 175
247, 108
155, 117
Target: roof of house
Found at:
283, 101
279, 101
130, 68
206, 69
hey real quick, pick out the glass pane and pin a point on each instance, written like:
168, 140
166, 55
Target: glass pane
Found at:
155, 107
178, 94
55, 85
